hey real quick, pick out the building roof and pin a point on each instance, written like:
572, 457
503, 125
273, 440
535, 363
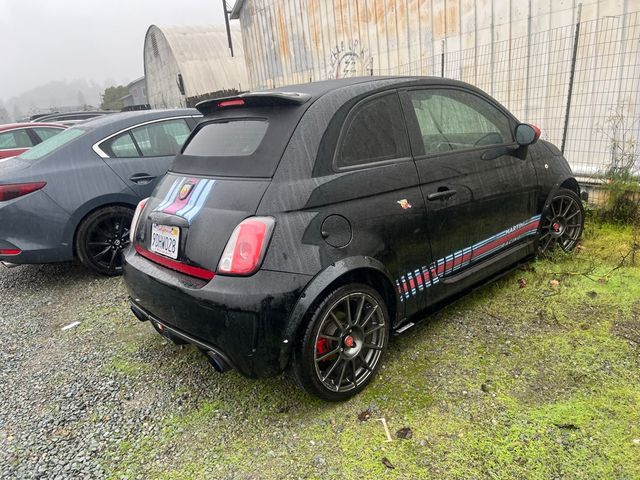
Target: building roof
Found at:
203, 56
133, 82
235, 11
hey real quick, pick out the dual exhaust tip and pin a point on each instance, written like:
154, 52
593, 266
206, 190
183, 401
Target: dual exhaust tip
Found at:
217, 361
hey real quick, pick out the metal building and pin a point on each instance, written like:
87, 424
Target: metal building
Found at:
137, 96
529, 54
185, 63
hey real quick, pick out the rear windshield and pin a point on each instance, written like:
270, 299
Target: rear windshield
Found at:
243, 142
229, 138
51, 144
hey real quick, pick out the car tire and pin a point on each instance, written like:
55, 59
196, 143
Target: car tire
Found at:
102, 237
561, 223
343, 343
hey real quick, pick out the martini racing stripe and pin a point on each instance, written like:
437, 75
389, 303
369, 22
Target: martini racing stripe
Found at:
193, 198
189, 206
190, 215
411, 283
169, 197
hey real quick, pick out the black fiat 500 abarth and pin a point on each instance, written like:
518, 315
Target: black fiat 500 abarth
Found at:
300, 227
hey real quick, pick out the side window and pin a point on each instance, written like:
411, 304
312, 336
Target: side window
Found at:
162, 138
455, 120
15, 139
122, 146
375, 132
157, 139
46, 132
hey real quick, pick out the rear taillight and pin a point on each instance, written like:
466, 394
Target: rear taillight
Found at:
136, 218
9, 251
15, 190
246, 247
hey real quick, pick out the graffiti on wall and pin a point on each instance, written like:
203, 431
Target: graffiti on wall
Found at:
349, 60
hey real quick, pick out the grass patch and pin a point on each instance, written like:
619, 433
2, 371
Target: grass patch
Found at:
534, 382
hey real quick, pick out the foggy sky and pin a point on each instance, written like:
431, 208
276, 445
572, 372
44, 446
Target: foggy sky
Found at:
45, 40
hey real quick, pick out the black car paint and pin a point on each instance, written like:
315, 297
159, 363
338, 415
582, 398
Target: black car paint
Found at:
333, 225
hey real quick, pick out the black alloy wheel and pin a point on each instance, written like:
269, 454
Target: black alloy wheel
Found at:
102, 237
344, 343
562, 222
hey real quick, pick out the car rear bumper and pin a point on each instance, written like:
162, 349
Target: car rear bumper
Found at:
34, 225
240, 319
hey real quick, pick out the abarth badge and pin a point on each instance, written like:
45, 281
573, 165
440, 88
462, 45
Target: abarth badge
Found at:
185, 191
404, 203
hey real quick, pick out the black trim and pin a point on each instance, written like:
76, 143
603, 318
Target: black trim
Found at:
138, 311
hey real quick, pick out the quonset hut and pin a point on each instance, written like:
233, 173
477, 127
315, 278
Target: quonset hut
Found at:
183, 64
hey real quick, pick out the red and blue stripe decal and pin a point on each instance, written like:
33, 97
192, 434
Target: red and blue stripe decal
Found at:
413, 282
189, 206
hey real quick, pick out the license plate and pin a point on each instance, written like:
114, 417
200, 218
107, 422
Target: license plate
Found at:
165, 240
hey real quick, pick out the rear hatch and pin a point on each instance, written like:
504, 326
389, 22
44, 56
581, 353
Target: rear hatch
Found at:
216, 182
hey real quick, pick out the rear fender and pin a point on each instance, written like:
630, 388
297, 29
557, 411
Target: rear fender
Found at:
93, 204
318, 287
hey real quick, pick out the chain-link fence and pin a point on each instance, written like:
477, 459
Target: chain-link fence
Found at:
579, 83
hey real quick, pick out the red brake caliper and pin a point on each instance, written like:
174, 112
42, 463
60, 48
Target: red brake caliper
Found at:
322, 346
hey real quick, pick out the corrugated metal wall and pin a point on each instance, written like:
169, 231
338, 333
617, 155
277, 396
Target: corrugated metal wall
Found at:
290, 41
520, 51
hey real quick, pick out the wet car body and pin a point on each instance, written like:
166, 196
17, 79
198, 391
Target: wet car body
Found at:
418, 228
68, 182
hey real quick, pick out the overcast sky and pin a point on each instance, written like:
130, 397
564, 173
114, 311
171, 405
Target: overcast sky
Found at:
45, 40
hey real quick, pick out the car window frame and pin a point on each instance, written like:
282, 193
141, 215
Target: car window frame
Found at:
97, 147
353, 111
415, 134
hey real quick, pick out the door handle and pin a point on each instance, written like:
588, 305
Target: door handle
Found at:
141, 178
441, 194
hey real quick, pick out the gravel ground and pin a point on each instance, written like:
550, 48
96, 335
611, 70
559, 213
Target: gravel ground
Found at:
60, 406
533, 377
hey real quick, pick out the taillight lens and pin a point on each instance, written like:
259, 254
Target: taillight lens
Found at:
246, 247
15, 190
235, 102
136, 218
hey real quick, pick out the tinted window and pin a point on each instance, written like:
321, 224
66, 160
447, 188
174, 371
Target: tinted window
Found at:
15, 139
375, 132
46, 132
158, 139
230, 138
453, 120
122, 146
162, 138
48, 146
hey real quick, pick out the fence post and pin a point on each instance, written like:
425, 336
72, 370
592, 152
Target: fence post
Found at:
571, 78
442, 61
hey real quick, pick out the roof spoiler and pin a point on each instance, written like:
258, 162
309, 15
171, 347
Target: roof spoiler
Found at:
253, 99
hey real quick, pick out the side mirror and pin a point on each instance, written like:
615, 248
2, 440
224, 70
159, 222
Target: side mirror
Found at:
527, 134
